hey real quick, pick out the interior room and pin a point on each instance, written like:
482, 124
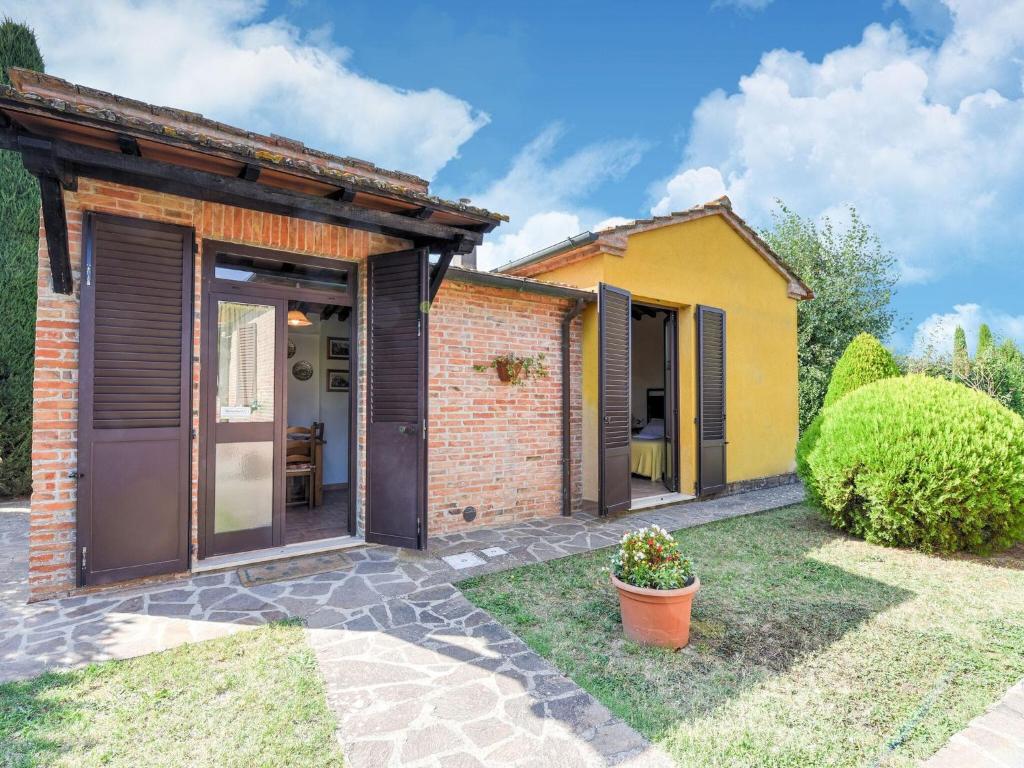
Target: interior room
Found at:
650, 470
318, 372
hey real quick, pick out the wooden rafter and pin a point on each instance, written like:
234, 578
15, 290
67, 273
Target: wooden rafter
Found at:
203, 185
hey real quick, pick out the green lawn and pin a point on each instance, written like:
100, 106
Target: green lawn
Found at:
807, 647
250, 700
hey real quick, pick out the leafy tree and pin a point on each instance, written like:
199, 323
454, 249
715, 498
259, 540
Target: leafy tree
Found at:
19, 223
997, 369
853, 279
961, 359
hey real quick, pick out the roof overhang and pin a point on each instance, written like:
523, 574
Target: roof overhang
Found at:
61, 141
614, 241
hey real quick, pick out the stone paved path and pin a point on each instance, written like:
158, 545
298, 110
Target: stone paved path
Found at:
992, 740
415, 674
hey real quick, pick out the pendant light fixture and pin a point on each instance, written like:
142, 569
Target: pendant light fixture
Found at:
297, 318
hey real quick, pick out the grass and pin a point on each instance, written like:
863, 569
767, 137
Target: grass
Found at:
252, 699
807, 647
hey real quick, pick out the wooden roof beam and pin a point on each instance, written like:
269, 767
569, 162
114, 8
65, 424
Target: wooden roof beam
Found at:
56, 226
129, 145
203, 185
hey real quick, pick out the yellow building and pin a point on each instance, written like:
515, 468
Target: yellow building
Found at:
690, 355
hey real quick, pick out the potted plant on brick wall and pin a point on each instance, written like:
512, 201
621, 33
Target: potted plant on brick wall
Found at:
656, 585
516, 369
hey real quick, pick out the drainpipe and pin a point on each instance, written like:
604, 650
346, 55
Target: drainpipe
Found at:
571, 315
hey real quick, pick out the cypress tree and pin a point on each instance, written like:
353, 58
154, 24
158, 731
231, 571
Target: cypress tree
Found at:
985, 341
19, 223
961, 361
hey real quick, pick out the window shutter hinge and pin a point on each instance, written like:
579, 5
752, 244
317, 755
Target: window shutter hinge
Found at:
424, 429
85, 554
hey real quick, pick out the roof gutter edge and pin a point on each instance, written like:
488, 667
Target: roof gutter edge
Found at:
584, 238
498, 280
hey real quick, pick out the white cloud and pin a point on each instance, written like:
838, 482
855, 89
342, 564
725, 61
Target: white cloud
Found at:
224, 60
926, 141
689, 188
544, 197
936, 331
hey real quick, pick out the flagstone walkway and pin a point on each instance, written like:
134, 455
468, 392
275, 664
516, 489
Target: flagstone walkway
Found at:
415, 674
994, 739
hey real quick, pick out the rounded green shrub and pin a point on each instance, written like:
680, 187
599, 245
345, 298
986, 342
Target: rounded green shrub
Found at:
921, 462
864, 360
803, 449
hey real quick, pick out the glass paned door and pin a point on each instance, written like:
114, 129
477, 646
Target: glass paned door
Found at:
246, 493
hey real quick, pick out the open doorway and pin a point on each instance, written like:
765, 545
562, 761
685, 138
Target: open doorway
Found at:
319, 385
276, 449
653, 450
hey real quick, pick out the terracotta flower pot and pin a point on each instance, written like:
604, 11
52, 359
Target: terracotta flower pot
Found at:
656, 616
506, 371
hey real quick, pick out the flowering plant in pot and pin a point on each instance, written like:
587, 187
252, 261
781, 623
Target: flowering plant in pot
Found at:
515, 369
656, 585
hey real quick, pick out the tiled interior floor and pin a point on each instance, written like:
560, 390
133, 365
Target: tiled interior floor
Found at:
326, 521
642, 487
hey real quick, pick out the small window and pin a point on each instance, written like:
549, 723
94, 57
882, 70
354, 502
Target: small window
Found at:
251, 269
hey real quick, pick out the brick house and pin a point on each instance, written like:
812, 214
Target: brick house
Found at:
247, 349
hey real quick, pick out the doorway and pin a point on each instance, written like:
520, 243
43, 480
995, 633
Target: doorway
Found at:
277, 401
654, 462
319, 376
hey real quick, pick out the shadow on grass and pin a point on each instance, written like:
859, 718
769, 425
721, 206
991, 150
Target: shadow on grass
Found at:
1012, 558
764, 605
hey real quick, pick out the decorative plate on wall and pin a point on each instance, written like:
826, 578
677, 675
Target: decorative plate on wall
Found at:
303, 370
291, 348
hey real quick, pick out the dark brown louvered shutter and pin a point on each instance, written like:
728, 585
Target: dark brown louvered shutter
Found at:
614, 311
711, 399
397, 377
134, 399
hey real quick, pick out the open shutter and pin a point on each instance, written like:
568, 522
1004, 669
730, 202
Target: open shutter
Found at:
614, 310
710, 400
134, 399
397, 373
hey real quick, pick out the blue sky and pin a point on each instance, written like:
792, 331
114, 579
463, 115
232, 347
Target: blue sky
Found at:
569, 114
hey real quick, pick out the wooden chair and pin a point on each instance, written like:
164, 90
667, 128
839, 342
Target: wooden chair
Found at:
302, 456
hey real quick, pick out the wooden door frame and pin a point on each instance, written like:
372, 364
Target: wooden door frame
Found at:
211, 285
423, 454
87, 332
671, 385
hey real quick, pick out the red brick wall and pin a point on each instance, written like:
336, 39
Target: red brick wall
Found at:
55, 426
473, 416
493, 446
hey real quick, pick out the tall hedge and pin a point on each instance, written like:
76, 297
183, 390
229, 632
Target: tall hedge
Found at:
865, 360
921, 462
19, 242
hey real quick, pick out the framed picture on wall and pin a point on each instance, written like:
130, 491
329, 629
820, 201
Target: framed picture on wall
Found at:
338, 348
337, 381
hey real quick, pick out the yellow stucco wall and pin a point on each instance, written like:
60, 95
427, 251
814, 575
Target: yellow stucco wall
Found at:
705, 261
